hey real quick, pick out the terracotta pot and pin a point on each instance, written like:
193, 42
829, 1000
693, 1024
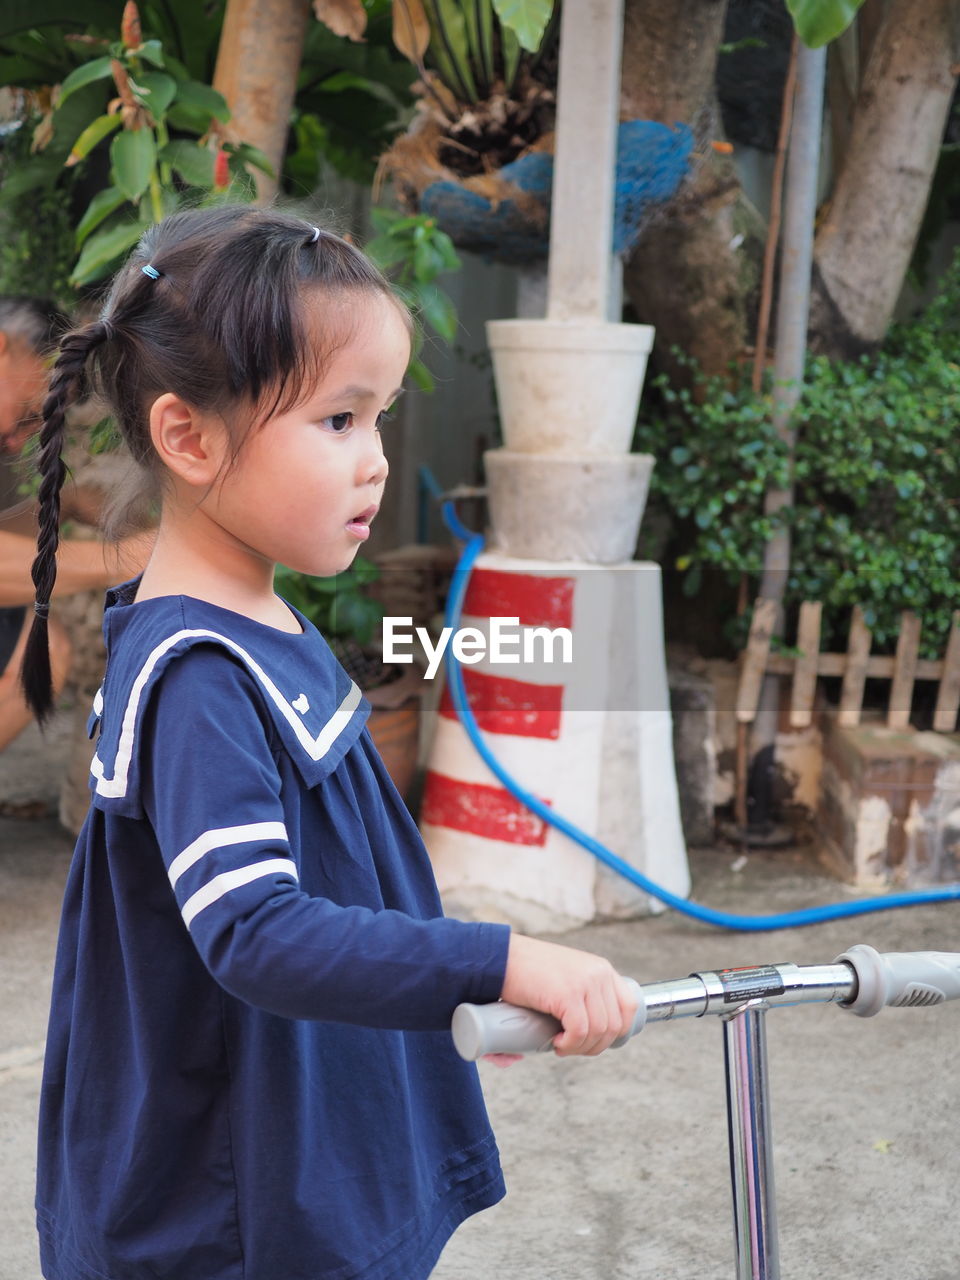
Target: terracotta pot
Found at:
394, 725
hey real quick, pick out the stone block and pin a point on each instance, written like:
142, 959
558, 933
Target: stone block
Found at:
888, 812
693, 708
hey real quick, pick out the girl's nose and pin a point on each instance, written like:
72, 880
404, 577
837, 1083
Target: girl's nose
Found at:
375, 465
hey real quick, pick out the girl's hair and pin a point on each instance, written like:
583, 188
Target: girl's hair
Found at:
208, 307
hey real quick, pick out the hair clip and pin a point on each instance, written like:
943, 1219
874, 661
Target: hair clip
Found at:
41, 610
316, 235
151, 271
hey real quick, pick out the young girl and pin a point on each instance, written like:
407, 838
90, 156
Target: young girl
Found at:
249, 1073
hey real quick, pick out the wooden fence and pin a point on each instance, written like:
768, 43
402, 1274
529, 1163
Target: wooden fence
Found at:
856, 666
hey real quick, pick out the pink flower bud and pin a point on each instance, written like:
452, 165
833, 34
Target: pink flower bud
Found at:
130, 32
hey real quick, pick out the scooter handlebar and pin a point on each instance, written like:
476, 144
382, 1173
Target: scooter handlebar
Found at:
901, 980
479, 1029
912, 979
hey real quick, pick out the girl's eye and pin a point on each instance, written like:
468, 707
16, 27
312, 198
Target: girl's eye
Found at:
339, 422
384, 417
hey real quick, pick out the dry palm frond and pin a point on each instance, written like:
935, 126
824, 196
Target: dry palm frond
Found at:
480, 141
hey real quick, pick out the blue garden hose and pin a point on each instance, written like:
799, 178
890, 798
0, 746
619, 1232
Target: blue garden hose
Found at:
722, 919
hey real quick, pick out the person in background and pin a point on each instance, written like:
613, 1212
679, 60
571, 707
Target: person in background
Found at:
30, 329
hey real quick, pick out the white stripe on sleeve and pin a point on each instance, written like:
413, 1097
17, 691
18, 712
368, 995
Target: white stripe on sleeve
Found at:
220, 885
222, 838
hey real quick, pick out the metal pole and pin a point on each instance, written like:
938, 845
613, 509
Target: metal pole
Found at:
796, 261
751, 1145
793, 310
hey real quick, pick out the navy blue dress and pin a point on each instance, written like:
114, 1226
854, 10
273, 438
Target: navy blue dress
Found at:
249, 1073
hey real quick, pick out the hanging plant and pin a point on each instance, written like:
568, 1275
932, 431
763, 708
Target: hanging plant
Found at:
478, 157
480, 145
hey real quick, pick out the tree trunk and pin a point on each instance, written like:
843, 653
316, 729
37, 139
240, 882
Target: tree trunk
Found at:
695, 269
257, 65
865, 242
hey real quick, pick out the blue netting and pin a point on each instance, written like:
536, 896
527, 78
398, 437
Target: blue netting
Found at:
505, 231
652, 160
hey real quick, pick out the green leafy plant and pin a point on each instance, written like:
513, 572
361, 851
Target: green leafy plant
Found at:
352, 100
820, 21
41, 41
158, 142
876, 515
413, 251
149, 169
465, 48
339, 607
471, 48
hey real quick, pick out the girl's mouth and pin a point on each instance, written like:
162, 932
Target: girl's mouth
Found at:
359, 525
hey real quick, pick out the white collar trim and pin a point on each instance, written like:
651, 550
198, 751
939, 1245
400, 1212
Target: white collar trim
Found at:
315, 747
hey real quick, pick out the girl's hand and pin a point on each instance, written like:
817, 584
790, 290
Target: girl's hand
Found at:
582, 991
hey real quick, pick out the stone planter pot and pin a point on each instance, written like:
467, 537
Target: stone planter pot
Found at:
568, 387
551, 507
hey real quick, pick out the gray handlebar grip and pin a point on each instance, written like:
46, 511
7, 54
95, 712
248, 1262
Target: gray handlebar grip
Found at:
908, 979
508, 1028
501, 1028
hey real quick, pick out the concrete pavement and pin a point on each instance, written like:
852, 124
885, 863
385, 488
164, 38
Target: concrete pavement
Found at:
617, 1167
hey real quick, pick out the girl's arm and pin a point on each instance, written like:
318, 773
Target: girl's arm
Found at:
213, 797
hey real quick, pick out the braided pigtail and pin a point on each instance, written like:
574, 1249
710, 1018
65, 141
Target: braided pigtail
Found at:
66, 381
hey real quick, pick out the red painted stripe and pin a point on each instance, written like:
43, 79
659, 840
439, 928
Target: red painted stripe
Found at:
502, 705
537, 601
482, 810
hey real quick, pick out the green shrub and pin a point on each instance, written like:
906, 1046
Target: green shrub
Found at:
339, 606
876, 515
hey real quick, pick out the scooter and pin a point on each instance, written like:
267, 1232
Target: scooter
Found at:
861, 981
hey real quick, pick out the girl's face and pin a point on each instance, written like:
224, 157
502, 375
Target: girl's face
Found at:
308, 482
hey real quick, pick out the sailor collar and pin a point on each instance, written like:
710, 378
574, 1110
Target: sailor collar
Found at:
317, 722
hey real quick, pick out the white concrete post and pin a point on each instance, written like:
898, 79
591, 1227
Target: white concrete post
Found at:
566, 497
583, 278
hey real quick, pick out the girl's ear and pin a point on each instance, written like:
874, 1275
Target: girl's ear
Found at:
189, 443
